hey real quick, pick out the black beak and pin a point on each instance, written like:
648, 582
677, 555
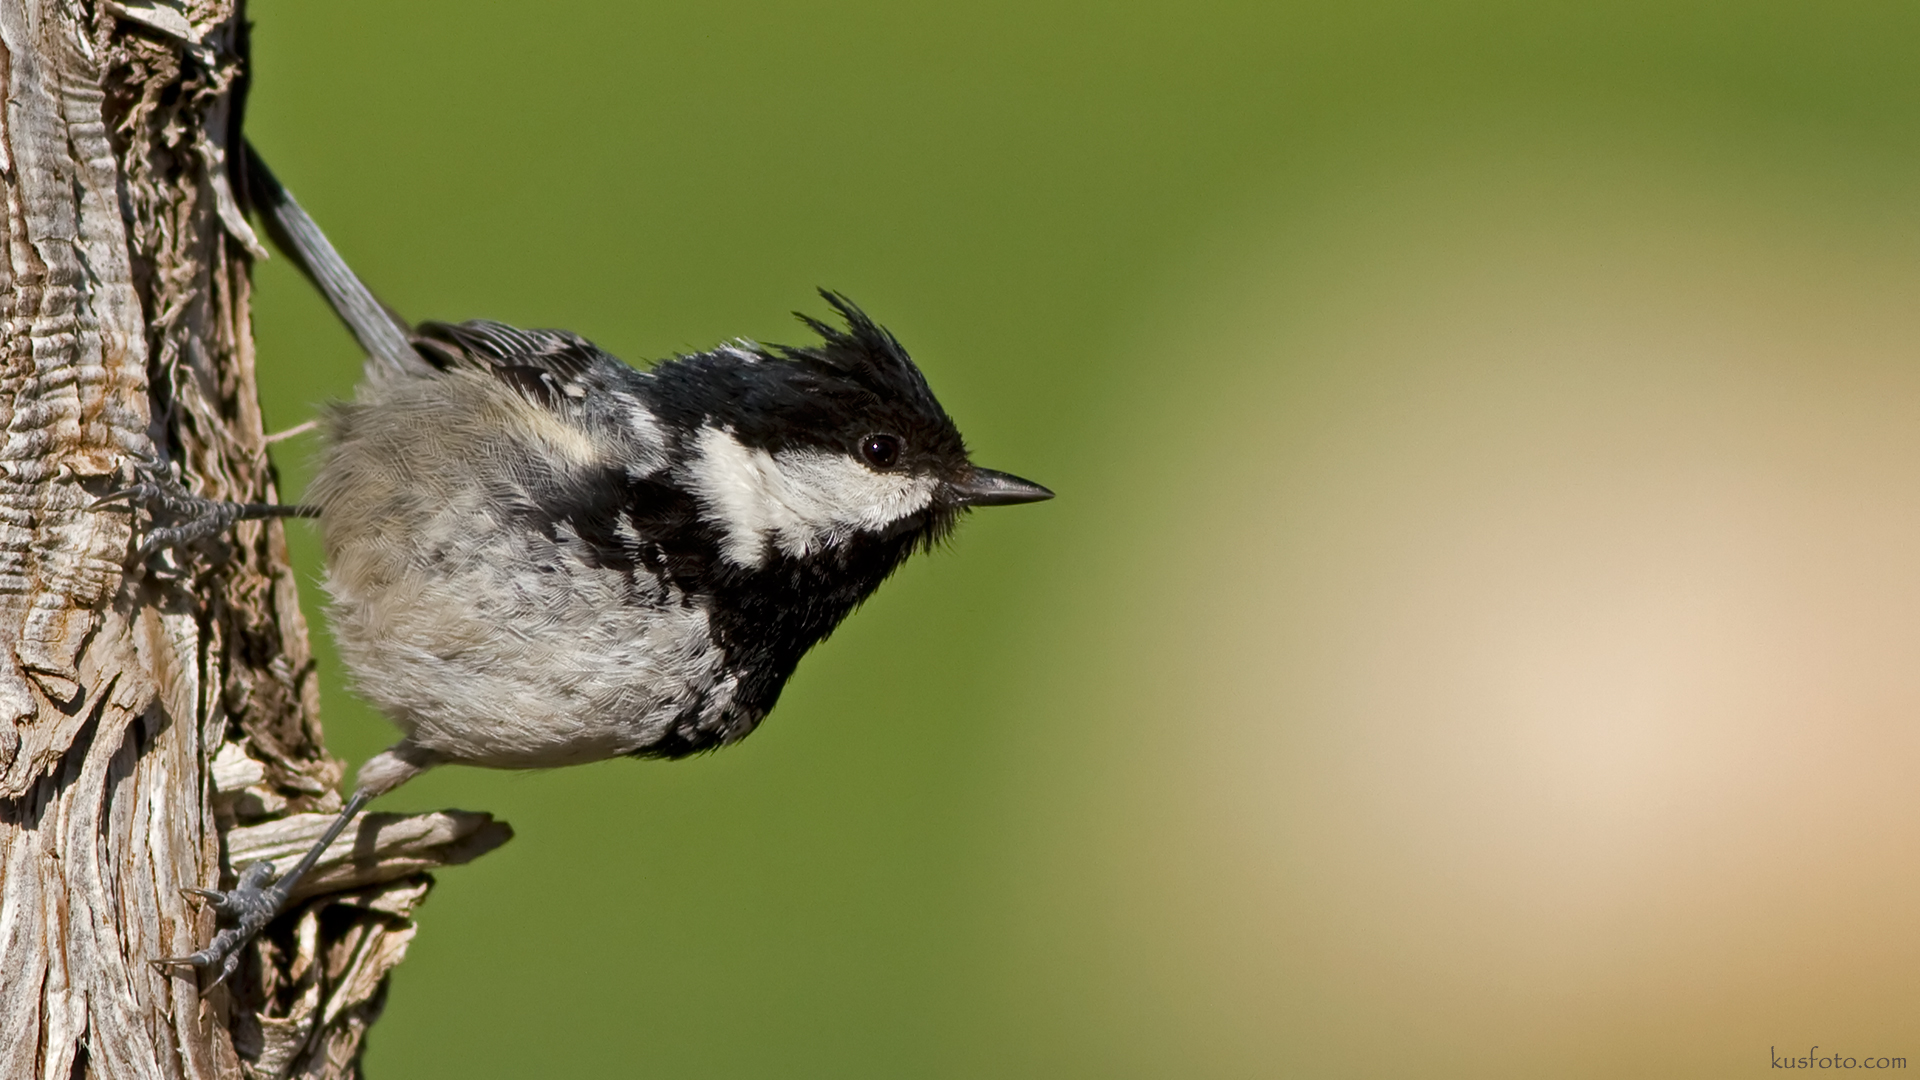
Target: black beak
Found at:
985, 487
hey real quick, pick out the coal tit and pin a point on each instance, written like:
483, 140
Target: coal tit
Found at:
539, 556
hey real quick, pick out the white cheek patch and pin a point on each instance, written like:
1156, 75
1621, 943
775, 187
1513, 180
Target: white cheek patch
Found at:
799, 501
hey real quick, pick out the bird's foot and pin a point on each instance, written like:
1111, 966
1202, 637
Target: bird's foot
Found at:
253, 903
179, 518
248, 908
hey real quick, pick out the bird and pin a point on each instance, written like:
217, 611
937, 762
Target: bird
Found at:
538, 555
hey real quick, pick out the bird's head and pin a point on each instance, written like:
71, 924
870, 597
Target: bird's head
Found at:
799, 451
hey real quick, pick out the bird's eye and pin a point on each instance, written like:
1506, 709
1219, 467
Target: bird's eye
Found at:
881, 451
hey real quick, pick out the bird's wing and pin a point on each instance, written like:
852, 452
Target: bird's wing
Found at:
550, 367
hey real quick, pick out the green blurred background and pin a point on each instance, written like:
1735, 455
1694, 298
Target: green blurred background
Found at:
1476, 635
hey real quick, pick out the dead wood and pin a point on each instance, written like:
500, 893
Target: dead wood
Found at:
158, 723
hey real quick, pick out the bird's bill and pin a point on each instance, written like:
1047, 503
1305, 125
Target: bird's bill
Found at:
985, 487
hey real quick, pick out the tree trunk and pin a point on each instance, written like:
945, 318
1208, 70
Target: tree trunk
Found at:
158, 719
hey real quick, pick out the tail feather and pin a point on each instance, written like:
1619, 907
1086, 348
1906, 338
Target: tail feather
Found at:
383, 334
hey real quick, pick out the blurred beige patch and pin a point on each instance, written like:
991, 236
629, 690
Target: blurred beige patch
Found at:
1523, 675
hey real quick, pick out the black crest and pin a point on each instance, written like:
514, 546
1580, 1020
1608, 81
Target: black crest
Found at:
866, 352
857, 382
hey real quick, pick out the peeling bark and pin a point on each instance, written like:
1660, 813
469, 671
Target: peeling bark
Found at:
158, 723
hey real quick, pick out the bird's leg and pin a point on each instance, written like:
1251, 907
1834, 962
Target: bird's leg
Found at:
253, 903
192, 518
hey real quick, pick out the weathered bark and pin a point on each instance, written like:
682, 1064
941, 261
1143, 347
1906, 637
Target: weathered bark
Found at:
158, 721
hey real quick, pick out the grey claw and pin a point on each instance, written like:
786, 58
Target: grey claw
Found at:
114, 498
169, 965
231, 965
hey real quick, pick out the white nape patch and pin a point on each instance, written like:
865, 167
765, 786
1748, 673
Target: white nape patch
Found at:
642, 421
799, 501
643, 444
645, 426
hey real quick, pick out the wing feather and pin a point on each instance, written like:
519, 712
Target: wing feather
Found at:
550, 367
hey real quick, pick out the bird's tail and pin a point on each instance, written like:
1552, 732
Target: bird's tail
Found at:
382, 333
